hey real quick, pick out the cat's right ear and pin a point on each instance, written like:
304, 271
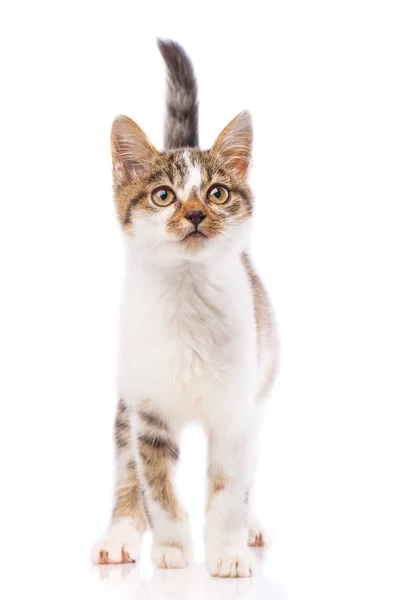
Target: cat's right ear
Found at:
132, 152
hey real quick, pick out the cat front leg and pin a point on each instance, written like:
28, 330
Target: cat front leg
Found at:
231, 467
158, 454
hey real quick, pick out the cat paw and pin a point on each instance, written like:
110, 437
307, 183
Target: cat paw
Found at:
170, 556
120, 544
230, 562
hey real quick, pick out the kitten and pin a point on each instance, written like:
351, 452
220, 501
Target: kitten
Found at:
196, 337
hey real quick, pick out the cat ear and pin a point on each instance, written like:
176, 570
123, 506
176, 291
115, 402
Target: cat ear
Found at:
234, 144
132, 152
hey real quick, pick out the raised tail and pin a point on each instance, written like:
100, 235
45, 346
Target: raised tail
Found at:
181, 120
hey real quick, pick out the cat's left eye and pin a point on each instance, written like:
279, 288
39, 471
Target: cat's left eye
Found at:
163, 196
218, 195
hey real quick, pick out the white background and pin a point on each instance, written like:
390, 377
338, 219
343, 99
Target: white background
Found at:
322, 81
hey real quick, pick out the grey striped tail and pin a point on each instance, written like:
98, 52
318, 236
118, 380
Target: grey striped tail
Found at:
181, 120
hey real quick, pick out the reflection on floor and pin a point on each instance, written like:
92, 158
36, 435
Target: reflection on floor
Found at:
131, 581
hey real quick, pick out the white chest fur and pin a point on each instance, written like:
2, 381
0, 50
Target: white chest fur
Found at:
185, 330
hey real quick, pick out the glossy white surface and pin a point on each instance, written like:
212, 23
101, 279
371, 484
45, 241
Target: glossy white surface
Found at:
180, 585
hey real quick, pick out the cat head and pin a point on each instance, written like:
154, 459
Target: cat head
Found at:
184, 203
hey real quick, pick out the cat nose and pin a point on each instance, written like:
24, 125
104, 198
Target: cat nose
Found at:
195, 216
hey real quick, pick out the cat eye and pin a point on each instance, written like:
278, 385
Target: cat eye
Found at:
218, 195
163, 196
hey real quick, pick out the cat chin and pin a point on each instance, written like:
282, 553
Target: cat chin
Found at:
194, 239
170, 252
194, 243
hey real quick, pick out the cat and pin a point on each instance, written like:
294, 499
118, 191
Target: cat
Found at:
197, 337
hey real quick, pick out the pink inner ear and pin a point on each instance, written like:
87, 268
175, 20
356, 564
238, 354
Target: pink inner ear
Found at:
129, 163
235, 158
240, 165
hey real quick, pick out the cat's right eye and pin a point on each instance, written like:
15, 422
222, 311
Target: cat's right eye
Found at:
163, 196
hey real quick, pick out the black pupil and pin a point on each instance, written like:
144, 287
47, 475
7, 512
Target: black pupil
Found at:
217, 193
163, 195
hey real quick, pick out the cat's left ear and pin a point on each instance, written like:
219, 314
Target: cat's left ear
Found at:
234, 144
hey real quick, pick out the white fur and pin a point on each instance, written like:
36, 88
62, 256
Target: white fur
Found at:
168, 557
188, 344
187, 337
194, 178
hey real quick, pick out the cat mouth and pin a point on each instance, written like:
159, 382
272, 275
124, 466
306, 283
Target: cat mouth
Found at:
194, 236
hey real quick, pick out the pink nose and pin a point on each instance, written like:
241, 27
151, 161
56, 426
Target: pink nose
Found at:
195, 217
